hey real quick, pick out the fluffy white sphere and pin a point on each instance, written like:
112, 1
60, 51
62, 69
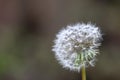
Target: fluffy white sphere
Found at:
77, 45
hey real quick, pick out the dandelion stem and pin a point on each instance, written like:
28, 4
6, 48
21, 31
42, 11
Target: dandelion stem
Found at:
83, 73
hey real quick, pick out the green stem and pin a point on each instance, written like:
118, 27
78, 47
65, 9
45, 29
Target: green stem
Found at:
83, 73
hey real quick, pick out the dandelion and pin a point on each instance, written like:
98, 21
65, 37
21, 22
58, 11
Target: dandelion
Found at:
76, 46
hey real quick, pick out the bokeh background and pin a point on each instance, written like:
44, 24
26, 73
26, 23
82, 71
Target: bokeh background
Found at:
28, 28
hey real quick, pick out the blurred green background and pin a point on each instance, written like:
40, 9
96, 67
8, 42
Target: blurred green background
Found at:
28, 28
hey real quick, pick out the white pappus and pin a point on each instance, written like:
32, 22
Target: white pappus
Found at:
77, 45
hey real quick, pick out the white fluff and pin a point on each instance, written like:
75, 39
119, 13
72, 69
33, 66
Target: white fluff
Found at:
77, 45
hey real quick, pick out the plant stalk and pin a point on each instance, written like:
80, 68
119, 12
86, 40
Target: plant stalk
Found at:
83, 73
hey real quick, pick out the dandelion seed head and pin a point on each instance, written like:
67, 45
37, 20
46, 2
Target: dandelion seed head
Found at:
77, 45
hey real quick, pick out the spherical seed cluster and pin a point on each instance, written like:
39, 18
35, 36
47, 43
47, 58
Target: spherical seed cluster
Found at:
77, 45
